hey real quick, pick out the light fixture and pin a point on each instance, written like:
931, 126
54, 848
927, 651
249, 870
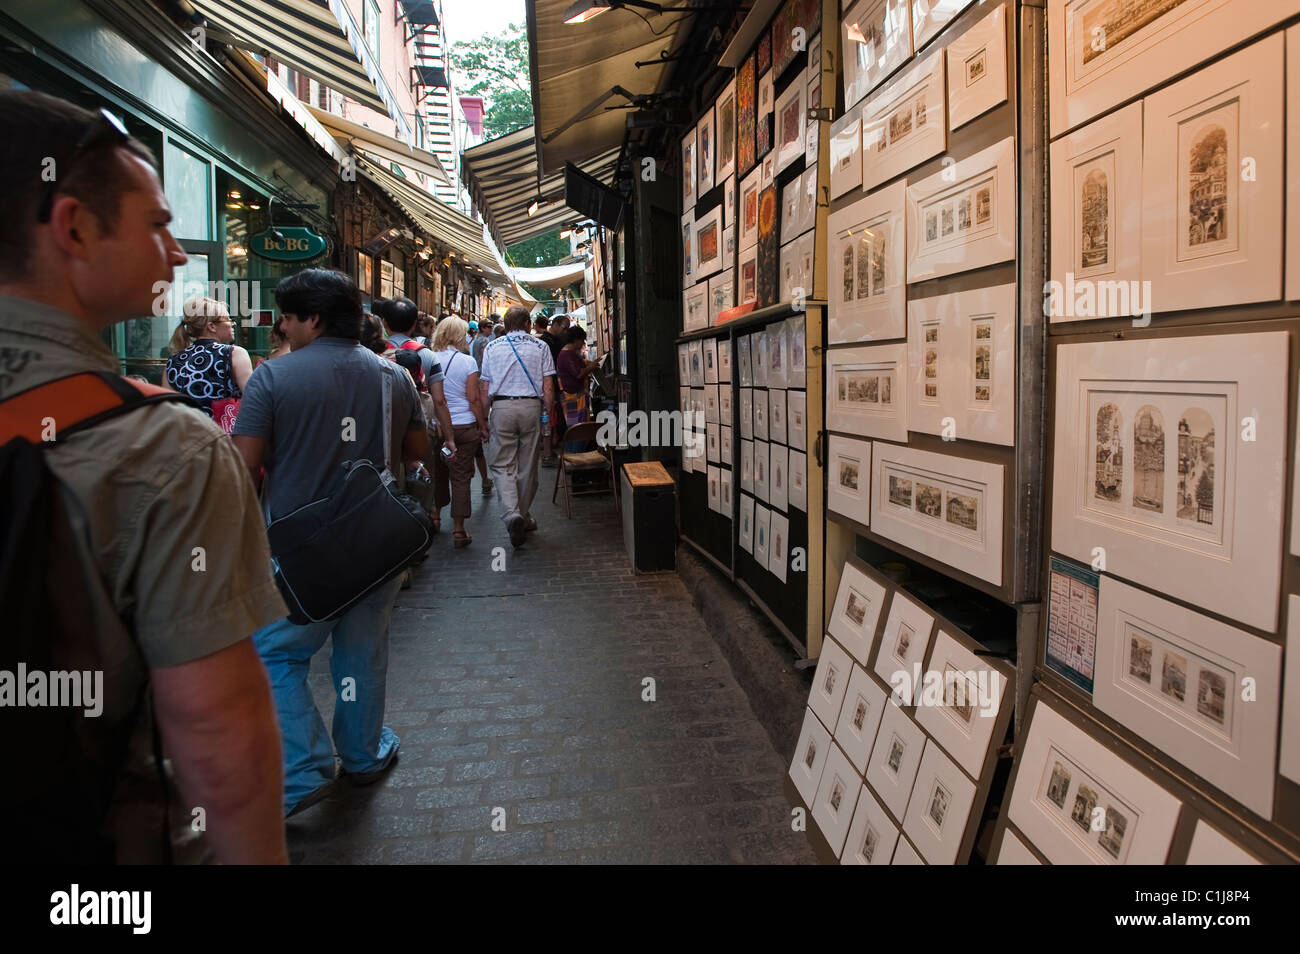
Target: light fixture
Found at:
584, 10
533, 207
237, 251
235, 194
566, 233
255, 206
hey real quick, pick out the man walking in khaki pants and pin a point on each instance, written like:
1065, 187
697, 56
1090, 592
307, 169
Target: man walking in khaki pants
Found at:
517, 386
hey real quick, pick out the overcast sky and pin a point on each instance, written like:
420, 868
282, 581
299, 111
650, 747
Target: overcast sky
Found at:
467, 19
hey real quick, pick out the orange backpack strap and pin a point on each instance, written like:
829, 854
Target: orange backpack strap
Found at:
65, 405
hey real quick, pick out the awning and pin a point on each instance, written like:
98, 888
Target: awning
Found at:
502, 177
320, 40
382, 147
556, 276
577, 67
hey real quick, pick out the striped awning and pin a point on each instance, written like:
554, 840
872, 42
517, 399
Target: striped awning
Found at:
381, 147
503, 177
318, 39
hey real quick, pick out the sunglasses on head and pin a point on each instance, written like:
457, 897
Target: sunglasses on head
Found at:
104, 128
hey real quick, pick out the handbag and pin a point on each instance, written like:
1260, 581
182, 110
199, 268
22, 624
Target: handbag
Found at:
332, 553
224, 412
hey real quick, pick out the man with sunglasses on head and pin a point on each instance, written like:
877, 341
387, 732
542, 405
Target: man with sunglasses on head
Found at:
171, 553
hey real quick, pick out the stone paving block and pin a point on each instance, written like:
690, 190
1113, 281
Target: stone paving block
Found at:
560, 809
447, 796
507, 844
492, 768
512, 789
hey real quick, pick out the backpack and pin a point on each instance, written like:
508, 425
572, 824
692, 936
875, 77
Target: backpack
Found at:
66, 766
408, 357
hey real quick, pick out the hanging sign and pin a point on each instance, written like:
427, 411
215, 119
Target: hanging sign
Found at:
293, 244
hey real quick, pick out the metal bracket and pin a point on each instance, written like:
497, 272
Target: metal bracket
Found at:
822, 114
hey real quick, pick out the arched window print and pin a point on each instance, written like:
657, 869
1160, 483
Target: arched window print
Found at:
1196, 466
1149, 460
1094, 238
1109, 479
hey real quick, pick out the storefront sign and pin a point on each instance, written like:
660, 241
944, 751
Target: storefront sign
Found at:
294, 244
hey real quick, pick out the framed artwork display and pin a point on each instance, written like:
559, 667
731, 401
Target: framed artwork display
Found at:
837, 797
763, 129
783, 46
710, 347
1014, 851
798, 481
747, 276
975, 688
860, 713
903, 642
697, 364
724, 368
724, 490
904, 853
812, 132
905, 123
760, 415
1196, 518
779, 551
949, 508
1289, 764
895, 758
799, 205
707, 152
744, 372
778, 476
1097, 219
1212, 847
868, 288
688, 172
961, 358
763, 53
796, 406
695, 307
747, 413
746, 115
791, 114
747, 465
804, 259
726, 132
762, 533
688, 250
848, 478
938, 813
776, 415
977, 69
1145, 42
722, 293
963, 217
1079, 803
768, 247
712, 444
747, 211
724, 439
778, 355
758, 357
711, 403
810, 754
1212, 183
1174, 677
876, 39
762, 459
712, 476
1293, 173
729, 206
684, 368
724, 397
789, 276
872, 834
796, 372
856, 613
929, 19
866, 391
745, 531
846, 153
708, 242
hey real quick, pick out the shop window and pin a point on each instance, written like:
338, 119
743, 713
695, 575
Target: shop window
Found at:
302, 87
370, 27
188, 184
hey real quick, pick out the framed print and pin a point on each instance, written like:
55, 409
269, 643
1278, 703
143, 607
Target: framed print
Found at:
708, 242
1293, 172
938, 813
728, 245
776, 429
1145, 43
714, 491
798, 481
710, 347
872, 833
778, 355
779, 551
782, 33
747, 276
778, 456
1289, 764
895, 758
697, 364
961, 359
724, 365
949, 508
1212, 183
760, 415
974, 691
768, 247
837, 797
724, 400
963, 217
762, 458
1014, 851
729, 203
758, 357
722, 293
796, 423
746, 115
763, 53
1197, 519
1079, 803
688, 250
868, 289
724, 491
724, 444
904, 853
876, 39
747, 413
810, 754
747, 466
684, 367
848, 478
905, 122
688, 172
711, 403
866, 391
803, 259
763, 131
745, 374
762, 534
796, 372
707, 152
977, 69
856, 613
860, 713
846, 153
726, 142
929, 19
746, 528
1097, 220
747, 212
904, 642
1175, 678
791, 209
1212, 847
791, 114
712, 437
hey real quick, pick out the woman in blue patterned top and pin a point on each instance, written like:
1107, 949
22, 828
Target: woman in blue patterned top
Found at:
206, 364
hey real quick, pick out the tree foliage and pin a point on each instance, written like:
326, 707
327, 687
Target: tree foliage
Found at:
496, 68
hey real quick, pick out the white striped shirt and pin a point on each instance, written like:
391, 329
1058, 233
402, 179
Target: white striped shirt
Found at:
504, 374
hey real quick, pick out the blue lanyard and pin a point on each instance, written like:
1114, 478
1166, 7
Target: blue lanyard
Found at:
522, 365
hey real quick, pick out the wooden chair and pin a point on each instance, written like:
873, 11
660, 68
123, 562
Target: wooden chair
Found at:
600, 459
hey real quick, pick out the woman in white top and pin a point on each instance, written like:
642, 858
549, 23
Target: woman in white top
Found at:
468, 423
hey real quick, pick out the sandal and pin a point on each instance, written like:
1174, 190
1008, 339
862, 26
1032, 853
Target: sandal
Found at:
437, 522
461, 539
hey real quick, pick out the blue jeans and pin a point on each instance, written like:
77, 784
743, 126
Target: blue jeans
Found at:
359, 653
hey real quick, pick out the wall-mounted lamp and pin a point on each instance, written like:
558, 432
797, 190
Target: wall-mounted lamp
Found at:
584, 10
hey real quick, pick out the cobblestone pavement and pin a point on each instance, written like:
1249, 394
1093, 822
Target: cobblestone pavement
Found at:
522, 691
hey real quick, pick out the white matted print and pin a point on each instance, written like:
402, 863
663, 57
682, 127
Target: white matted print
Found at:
747, 276
729, 204
712, 441
745, 373
724, 360
1289, 765
1212, 183
974, 690
963, 217
949, 508
725, 444
861, 710
791, 114
846, 153
929, 18
903, 643
1292, 173
710, 360
708, 242
872, 835
895, 758
1014, 851
724, 398
866, 391
747, 414
977, 69
1142, 44
905, 122
697, 363
688, 172
722, 293
761, 461
747, 211
711, 473
939, 810
1212, 847
1150, 464
856, 614
711, 403
848, 478
812, 131
684, 368
760, 415
798, 481
796, 218
726, 142
810, 754
776, 419
788, 276
707, 151
745, 531
724, 491
796, 372
868, 281
778, 355
876, 39
779, 552
778, 456
837, 797
961, 358
762, 534
695, 307
1176, 679
1080, 803
1097, 220
796, 425
758, 357
688, 249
